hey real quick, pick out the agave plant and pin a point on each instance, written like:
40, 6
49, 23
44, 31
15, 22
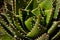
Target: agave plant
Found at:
30, 20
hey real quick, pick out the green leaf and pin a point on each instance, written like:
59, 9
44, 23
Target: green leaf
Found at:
46, 4
29, 23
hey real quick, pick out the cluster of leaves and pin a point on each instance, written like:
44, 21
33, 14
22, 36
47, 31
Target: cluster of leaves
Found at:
30, 20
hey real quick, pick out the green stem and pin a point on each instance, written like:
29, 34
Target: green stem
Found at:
53, 27
56, 36
28, 5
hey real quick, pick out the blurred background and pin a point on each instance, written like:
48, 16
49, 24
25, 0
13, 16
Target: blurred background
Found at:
1, 5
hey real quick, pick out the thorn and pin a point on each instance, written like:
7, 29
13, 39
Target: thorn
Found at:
15, 36
2, 19
58, 25
8, 14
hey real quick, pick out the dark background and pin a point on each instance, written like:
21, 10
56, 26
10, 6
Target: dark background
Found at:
1, 5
